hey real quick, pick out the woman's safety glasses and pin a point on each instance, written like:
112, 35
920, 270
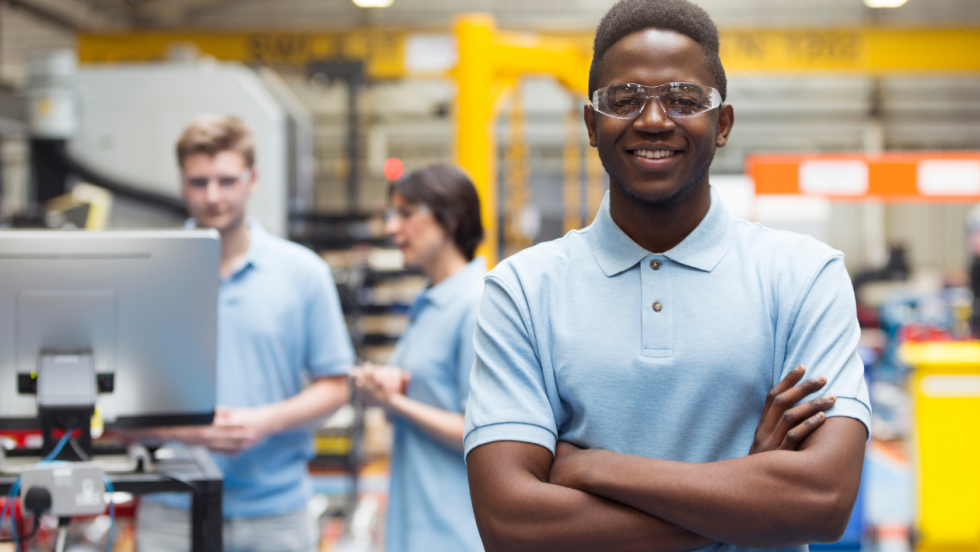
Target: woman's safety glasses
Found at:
405, 212
676, 99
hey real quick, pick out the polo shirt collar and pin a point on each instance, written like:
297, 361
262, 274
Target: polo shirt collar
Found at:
702, 249
445, 292
256, 244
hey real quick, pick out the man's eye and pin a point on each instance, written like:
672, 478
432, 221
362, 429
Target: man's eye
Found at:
685, 104
227, 181
626, 103
198, 182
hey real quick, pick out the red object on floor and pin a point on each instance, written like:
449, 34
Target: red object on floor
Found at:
22, 527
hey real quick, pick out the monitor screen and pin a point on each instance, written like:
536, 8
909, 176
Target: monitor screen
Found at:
143, 304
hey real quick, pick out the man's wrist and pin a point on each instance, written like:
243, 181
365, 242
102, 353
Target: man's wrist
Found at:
274, 417
590, 475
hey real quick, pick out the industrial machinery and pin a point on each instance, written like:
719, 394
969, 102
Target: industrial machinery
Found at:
82, 120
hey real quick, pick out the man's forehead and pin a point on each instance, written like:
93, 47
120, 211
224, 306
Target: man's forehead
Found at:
654, 54
225, 159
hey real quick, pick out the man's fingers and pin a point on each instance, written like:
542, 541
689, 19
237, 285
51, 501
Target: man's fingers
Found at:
784, 401
802, 431
793, 419
780, 418
787, 383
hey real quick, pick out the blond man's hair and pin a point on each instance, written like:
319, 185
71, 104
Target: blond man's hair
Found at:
213, 134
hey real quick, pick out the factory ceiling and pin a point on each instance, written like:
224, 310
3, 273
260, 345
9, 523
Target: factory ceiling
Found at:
94, 15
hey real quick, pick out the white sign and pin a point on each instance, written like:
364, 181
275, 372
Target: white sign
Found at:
949, 177
836, 178
951, 386
430, 53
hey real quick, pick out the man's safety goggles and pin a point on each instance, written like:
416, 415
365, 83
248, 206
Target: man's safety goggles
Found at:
676, 99
224, 181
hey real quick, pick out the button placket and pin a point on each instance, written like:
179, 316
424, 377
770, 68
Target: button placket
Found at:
658, 331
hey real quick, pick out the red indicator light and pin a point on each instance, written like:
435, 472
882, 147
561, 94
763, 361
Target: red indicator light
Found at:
394, 168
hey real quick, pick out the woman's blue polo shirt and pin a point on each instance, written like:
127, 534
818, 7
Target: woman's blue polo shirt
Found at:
429, 508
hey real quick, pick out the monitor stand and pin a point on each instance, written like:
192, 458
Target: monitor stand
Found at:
67, 388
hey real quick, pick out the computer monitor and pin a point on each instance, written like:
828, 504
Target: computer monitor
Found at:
136, 310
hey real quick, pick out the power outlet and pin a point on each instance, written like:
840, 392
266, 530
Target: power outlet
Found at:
77, 488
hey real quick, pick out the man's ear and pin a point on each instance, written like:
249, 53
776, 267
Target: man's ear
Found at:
589, 116
253, 181
726, 119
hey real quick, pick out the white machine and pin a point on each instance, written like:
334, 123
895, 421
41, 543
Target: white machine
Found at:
129, 118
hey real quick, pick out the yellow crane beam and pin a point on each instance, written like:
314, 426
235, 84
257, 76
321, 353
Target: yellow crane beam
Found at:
874, 50
489, 61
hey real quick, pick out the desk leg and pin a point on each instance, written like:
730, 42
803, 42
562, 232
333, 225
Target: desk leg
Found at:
206, 522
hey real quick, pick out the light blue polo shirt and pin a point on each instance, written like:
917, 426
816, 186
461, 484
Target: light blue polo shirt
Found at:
279, 325
429, 508
593, 340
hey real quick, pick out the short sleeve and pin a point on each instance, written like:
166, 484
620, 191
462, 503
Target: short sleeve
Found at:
509, 400
465, 355
824, 338
328, 347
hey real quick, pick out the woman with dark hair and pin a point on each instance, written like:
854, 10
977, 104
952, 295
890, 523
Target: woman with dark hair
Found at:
434, 217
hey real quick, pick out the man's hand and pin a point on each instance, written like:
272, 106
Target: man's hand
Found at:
238, 429
234, 430
784, 427
780, 428
380, 383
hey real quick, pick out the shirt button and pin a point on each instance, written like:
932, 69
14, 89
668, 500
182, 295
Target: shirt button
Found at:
657, 306
655, 265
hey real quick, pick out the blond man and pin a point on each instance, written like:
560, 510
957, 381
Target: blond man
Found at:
279, 325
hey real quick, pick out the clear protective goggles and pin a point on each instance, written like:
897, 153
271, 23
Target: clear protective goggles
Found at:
406, 212
676, 99
224, 180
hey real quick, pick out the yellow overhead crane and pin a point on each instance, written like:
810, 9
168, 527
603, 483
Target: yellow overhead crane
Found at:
491, 62
870, 50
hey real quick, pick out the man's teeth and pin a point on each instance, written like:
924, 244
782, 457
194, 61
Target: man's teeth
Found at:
656, 154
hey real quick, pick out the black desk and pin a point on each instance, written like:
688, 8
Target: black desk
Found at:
191, 470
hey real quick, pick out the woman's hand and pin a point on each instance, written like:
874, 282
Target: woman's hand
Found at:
380, 384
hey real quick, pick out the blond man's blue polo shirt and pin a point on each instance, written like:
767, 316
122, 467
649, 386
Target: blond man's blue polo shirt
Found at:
593, 340
280, 325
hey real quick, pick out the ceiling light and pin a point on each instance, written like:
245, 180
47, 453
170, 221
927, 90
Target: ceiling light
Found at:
885, 3
373, 3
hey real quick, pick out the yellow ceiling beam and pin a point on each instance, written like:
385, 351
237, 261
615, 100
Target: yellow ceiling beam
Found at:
383, 51
857, 50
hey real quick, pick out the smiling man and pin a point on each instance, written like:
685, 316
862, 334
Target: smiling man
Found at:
621, 370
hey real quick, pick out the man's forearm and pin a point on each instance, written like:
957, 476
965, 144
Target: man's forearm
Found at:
319, 399
766, 500
517, 511
553, 518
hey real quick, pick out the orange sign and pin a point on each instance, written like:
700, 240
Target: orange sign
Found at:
919, 176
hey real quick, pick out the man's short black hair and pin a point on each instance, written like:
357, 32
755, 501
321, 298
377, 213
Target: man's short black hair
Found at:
629, 16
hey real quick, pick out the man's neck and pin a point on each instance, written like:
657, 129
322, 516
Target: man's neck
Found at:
234, 247
659, 229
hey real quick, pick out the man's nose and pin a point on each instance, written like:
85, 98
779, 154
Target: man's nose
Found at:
653, 117
212, 191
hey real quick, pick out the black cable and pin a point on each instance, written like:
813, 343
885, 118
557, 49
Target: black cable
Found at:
78, 450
